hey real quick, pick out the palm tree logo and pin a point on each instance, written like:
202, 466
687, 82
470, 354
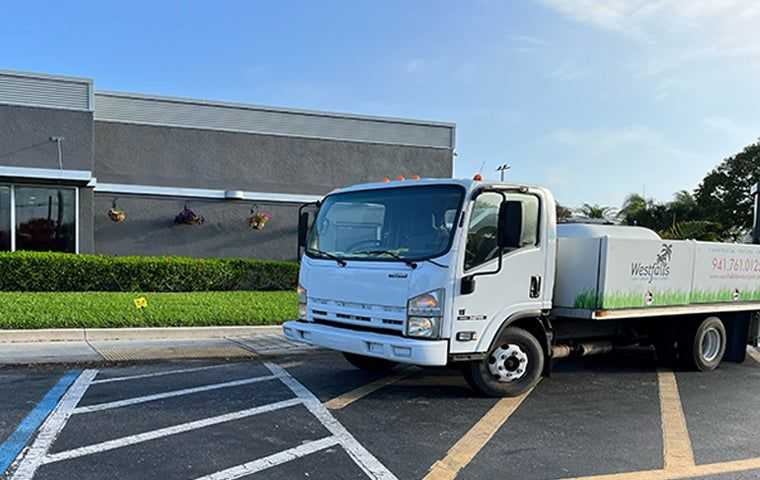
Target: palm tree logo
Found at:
666, 254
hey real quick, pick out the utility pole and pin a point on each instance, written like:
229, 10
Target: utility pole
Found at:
756, 223
58, 141
502, 169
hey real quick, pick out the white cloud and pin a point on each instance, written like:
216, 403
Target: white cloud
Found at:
414, 65
739, 132
568, 71
674, 33
528, 40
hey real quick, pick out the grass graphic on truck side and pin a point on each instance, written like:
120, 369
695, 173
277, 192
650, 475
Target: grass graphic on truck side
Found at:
591, 300
724, 295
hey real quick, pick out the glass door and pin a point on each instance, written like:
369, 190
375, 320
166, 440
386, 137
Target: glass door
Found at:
45, 218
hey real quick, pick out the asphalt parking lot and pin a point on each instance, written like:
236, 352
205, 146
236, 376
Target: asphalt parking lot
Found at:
314, 416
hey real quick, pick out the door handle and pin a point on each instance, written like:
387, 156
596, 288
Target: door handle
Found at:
535, 286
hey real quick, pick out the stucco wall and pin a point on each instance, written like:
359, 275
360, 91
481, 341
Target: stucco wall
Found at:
25, 137
171, 156
150, 229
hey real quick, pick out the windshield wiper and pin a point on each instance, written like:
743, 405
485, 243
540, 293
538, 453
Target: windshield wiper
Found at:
389, 253
340, 261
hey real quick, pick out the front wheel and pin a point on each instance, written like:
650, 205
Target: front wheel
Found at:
371, 364
511, 368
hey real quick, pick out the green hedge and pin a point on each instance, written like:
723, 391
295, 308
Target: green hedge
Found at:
32, 310
62, 272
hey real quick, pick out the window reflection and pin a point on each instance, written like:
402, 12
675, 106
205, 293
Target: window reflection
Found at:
5, 218
45, 219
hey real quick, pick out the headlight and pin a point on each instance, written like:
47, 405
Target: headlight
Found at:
428, 304
424, 313
302, 313
424, 327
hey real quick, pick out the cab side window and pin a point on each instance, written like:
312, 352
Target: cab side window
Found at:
481, 235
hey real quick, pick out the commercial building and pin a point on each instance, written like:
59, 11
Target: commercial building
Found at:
92, 171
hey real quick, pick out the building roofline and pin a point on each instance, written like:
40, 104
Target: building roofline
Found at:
248, 106
46, 76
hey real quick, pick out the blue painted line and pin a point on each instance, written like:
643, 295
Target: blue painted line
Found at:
17, 440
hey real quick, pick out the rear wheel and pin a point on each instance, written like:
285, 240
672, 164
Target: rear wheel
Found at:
371, 364
511, 368
704, 346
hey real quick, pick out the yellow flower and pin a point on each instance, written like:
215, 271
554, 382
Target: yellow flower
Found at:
141, 302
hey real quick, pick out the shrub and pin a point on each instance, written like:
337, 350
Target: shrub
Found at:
63, 272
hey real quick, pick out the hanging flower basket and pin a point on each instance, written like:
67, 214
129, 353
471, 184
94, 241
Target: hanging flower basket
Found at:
258, 219
116, 214
188, 217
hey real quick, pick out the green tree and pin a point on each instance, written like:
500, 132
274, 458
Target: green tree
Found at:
724, 196
563, 213
596, 211
693, 230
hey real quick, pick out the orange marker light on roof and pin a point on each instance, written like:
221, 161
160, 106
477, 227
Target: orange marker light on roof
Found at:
386, 180
415, 177
400, 177
477, 177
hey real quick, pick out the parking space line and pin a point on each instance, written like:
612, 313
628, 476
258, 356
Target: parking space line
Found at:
676, 444
273, 460
348, 398
462, 453
161, 374
361, 456
17, 440
175, 393
165, 432
693, 471
53, 426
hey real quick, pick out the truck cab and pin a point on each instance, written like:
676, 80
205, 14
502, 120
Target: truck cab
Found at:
430, 272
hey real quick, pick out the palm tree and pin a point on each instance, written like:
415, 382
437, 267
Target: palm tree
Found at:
596, 211
633, 204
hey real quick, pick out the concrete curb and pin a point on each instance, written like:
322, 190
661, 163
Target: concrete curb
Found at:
162, 333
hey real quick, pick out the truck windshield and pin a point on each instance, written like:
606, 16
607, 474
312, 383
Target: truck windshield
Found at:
398, 223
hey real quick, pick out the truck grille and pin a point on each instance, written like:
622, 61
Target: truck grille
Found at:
360, 314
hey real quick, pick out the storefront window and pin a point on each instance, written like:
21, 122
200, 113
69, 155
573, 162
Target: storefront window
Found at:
5, 218
45, 219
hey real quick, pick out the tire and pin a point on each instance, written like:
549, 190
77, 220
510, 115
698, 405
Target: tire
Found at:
513, 376
703, 347
370, 364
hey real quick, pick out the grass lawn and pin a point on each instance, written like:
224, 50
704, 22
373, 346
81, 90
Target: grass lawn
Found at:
29, 310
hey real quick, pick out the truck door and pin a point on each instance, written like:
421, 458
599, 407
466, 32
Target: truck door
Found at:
519, 285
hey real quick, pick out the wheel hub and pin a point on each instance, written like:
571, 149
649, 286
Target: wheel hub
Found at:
710, 344
508, 363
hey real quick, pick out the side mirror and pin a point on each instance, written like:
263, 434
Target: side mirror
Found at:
509, 233
468, 285
303, 229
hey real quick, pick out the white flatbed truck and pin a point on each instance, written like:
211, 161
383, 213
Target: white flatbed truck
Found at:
478, 274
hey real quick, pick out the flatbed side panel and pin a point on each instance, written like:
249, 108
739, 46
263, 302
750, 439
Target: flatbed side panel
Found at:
646, 273
577, 277
726, 272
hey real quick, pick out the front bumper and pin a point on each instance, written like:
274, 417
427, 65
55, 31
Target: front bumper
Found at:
389, 347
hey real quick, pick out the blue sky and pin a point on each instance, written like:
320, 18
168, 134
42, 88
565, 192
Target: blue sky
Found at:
593, 99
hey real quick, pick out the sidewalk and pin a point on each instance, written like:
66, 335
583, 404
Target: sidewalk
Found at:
142, 344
